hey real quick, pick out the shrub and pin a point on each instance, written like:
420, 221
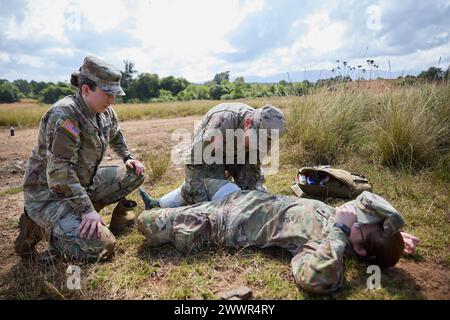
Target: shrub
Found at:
53, 93
217, 91
9, 93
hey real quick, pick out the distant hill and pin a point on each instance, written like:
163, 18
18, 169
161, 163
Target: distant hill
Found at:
314, 75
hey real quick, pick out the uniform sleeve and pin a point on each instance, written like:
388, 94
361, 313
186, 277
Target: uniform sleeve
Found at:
63, 143
205, 139
116, 139
319, 267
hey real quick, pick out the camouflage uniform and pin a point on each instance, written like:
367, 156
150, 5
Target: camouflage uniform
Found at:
304, 227
63, 179
219, 119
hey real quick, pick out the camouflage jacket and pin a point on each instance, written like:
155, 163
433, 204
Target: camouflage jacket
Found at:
216, 121
304, 227
71, 143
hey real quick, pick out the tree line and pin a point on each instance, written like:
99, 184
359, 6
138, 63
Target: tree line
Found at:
149, 87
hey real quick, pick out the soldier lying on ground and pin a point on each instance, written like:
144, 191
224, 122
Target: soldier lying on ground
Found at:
64, 187
317, 235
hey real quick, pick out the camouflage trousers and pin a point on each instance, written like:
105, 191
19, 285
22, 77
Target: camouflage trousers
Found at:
304, 227
244, 218
60, 222
194, 190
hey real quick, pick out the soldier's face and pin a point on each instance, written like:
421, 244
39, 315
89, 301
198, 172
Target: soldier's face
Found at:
358, 234
97, 99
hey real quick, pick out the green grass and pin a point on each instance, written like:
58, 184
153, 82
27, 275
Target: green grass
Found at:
12, 190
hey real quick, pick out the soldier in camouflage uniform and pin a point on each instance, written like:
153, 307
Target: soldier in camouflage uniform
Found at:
213, 131
317, 235
64, 184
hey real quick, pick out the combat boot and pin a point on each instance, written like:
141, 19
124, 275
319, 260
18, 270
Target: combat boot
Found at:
121, 217
29, 236
149, 202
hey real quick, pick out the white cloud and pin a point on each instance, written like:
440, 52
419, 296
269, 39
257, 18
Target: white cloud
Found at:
43, 18
4, 57
29, 60
104, 15
322, 35
182, 37
193, 38
417, 60
58, 51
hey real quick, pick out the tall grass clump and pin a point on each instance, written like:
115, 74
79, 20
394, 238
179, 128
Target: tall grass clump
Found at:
411, 129
156, 163
406, 128
323, 126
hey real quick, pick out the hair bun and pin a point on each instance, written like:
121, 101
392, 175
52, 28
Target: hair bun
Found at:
74, 79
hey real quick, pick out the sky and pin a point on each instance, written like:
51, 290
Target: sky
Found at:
46, 40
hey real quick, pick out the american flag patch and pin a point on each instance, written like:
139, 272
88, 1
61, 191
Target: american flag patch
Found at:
71, 128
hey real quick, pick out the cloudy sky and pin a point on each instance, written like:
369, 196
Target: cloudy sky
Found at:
48, 39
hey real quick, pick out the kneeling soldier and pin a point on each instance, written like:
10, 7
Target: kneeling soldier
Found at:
64, 185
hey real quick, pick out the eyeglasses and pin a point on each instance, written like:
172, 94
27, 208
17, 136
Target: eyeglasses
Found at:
359, 227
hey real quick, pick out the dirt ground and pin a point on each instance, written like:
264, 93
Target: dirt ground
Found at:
430, 279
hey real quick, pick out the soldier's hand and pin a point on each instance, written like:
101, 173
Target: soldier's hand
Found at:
410, 243
136, 165
346, 214
90, 223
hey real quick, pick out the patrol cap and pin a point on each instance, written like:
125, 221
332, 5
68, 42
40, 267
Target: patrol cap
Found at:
269, 117
105, 75
372, 208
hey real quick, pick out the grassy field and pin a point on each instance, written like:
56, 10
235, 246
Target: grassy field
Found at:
398, 138
29, 113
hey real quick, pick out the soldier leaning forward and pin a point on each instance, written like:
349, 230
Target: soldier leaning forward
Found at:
64, 185
252, 132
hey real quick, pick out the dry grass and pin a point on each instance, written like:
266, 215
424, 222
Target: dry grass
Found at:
412, 127
156, 163
406, 127
20, 114
29, 113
